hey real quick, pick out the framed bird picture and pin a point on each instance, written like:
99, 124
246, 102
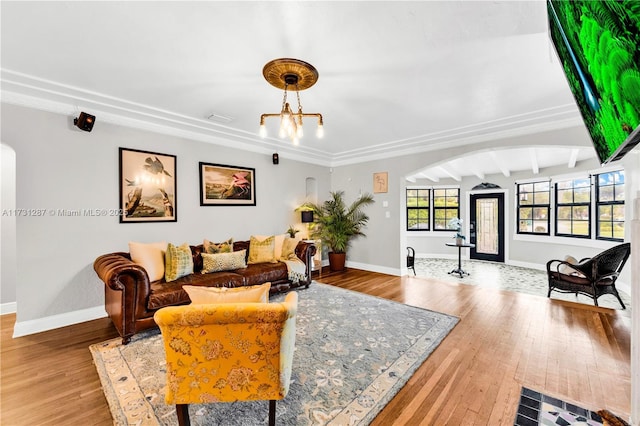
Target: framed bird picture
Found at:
147, 187
222, 185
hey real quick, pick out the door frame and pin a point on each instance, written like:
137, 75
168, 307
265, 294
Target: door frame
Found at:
507, 210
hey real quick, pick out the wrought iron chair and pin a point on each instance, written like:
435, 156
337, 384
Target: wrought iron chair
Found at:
411, 258
206, 363
592, 277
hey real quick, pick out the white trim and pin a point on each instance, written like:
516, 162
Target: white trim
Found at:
566, 241
8, 308
25, 328
374, 268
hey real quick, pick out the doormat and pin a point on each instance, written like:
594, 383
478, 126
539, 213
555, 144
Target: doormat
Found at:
536, 408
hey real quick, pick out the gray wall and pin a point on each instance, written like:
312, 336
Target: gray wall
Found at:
61, 167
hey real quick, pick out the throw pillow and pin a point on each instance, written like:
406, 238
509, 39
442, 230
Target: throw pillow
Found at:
262, 251
223, 261
150, 256
178, 262
223, 247
253, 294
277, 248
568, 270
289, 248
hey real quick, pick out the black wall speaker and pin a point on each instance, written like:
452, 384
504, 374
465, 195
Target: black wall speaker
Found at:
85, 121
276, 158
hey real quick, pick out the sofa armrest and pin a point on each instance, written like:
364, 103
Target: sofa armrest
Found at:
112, 268
305, 251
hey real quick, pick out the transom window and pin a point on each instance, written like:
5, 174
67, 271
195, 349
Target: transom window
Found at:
533, 208
418, 203
610, 206
446, 206
573, 208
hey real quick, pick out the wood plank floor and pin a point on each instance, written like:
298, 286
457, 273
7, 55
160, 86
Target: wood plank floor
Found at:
504, 340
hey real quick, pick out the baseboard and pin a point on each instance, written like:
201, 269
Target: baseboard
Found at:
8, 308
374, 268
24, 328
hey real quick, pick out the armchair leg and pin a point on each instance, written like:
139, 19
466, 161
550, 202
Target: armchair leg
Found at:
272, 412
182, 410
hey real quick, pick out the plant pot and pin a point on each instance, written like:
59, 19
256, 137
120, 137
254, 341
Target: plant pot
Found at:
337, 261
459, 241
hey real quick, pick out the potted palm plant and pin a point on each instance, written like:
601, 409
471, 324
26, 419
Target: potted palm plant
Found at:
335, 224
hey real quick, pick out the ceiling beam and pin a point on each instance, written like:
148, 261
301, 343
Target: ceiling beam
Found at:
428, 176
454, 176
535, 167
411, 179
505, 171
573, 158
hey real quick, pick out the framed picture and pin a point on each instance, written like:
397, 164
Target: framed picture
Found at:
222, 185
380, 182
147, 187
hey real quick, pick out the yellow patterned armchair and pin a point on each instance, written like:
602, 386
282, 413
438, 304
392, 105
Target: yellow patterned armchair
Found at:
228, 352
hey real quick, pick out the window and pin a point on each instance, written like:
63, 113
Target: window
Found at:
418, 218
533, 208
573, 208
446, 206
610, 206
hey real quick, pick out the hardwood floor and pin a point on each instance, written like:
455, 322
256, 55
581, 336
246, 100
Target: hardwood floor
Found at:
504, 340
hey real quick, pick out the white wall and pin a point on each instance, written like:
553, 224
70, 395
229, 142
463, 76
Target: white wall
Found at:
8, 255
61, 167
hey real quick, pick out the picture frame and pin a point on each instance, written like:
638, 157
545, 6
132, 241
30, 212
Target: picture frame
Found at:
225, 185
148, 186
380, 182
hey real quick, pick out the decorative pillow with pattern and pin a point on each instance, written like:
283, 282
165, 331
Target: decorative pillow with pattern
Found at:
178, 262
150, 256
289, 248
262, 251
200, 295
223, 261
223, 247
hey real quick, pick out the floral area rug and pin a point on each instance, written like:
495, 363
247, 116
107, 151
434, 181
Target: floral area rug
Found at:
354, 352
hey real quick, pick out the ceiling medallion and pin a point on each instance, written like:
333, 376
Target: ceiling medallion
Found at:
290, 74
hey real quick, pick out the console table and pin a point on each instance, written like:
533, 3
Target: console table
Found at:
459, 270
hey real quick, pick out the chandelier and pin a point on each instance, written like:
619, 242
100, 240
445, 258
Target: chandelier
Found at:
294, 75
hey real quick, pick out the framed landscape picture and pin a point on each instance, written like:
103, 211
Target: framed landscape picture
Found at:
147, 186
223, 185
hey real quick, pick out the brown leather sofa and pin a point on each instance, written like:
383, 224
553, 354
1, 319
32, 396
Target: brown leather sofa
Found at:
131, 300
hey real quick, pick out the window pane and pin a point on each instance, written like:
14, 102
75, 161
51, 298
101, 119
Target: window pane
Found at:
580, 227
582, 195
564, 227
541, 186
605, 193
540, 226
605, 213
619, 192
618, 213
565, 196
526, 199
605, 230
581, 212
541, 213
440, 224
564, 213
542, 197
525, 226
526, 213
526, 187
618, 230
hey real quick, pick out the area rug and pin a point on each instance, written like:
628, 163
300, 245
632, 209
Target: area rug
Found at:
354, 352
536, 408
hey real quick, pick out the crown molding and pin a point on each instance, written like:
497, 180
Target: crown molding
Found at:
31, 92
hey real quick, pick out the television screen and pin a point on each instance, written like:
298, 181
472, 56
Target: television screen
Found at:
598, 44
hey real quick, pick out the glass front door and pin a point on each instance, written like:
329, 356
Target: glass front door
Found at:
487, 226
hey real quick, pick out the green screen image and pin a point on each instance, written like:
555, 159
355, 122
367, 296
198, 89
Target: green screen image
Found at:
598, 44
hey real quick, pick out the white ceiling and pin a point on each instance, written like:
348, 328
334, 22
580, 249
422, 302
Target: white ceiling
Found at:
395, 77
